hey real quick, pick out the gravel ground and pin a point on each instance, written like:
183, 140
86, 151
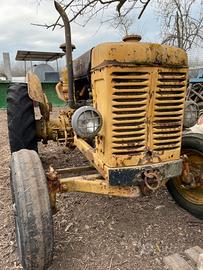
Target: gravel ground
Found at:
97, 232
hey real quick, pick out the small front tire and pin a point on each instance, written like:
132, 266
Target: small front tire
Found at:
33, 215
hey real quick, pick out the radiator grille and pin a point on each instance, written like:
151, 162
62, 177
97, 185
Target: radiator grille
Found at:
129, 104
139, 124
168, 110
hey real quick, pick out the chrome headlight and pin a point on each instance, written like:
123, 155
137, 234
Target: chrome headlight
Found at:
191, 114
86, 122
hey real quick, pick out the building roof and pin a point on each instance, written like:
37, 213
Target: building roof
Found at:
38, 56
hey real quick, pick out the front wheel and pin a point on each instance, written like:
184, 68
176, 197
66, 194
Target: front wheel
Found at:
187, 189
33, 215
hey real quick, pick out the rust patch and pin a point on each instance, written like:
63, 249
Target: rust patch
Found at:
151, 181
53, 187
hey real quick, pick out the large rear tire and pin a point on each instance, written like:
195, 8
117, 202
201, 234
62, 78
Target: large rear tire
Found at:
190, 198
33, 215
21, 118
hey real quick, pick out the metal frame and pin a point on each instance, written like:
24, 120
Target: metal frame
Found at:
87, 180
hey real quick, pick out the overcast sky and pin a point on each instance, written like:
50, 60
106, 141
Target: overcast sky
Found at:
17, 33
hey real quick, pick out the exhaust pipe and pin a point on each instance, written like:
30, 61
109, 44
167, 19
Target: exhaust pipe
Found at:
69, 60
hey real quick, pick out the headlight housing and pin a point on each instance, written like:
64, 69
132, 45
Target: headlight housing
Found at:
86, 122
191, 114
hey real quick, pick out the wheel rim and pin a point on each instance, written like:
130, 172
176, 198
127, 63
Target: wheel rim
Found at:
192, 192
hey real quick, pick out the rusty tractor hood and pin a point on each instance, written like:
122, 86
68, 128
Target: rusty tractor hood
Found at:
137, 53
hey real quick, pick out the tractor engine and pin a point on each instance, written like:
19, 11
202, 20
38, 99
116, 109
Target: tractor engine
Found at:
138, 90
128, 109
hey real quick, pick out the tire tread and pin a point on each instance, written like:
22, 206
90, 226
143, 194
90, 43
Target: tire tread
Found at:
33, 211
21, 118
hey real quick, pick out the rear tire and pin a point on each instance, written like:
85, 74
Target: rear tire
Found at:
192, 200
21, 118
33, 215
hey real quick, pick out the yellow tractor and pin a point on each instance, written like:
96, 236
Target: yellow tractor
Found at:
126, 112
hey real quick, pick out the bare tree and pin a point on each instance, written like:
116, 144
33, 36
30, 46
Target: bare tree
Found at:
88, 9
182, 22
122, 23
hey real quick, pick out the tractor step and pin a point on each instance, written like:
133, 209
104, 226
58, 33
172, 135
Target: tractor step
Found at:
193, 260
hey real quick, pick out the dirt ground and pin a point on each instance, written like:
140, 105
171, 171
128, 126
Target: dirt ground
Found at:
97, 232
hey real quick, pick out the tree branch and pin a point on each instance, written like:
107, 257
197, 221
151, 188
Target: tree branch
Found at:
93, 7
181, 19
